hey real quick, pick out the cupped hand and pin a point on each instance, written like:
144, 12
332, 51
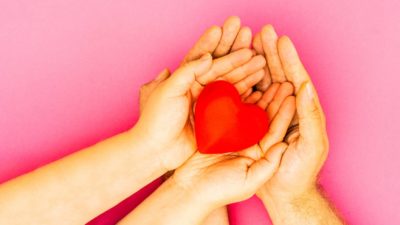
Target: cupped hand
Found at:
307, 141
221, 41
233, 60
167, 102
220, 179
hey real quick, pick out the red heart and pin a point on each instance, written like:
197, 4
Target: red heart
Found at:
223, 123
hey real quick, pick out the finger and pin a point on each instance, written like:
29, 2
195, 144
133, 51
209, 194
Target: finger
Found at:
224, 65
246, 94
263, 169
243, 39
292, 65
207, 43
253, 98
248, 82
255, 64
311, 119
147, 89
196, 90
268, 95
266, 81
182, 79
269, 40
285, 90
257, 45
279, 124
230, 30
294, 69
254, 152
162, 76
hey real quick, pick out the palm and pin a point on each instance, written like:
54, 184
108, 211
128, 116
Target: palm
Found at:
213, 174
225, 178
176, 121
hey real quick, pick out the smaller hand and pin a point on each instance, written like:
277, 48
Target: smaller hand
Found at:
166, 104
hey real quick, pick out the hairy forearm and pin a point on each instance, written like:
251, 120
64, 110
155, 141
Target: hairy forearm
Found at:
78, 187
312, 208
169, 205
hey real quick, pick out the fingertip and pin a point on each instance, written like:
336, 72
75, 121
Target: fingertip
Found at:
245, 53
233, 20
247, 30
243, 39
164, 74
257, 45
288, 87
286, 47
275, 153
284, 39
246, 35
259, 75
253, 97
205, 63
214, 32
290, 100
268, 33
261, 59
206, 57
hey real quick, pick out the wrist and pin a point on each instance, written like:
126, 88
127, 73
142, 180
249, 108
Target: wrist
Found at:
283, 195
188, 201
139, 134
279, 203
141, 148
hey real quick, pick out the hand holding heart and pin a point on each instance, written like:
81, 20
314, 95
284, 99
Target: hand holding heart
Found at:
166, 106
306, 148
224, 178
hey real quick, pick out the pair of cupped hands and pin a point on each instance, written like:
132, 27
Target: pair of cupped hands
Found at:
266, 70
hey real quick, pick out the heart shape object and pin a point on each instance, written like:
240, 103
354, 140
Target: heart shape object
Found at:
223, 123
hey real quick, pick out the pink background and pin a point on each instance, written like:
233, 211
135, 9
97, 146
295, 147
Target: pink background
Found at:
70, 73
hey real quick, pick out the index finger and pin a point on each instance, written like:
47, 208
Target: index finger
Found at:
207, 43
309, 110
292, 66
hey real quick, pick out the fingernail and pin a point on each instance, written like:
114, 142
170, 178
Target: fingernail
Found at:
310, 91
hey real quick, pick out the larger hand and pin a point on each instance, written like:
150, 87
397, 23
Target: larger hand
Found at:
308, 142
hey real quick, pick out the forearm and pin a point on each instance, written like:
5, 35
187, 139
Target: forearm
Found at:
169, 205
309, 209
78, 187
218, 216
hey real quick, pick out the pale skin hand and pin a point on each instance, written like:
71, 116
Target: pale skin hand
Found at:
207, 182
292, 195
220, 41
170, 131
81, 186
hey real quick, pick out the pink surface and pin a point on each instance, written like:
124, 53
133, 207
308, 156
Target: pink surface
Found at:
70, 73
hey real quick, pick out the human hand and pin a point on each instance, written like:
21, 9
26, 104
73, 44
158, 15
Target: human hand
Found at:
307, 141
236, 63
220, 41
220, 179
166, 105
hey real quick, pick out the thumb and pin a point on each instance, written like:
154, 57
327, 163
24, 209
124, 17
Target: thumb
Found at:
182, 79
311, 117
262, 170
